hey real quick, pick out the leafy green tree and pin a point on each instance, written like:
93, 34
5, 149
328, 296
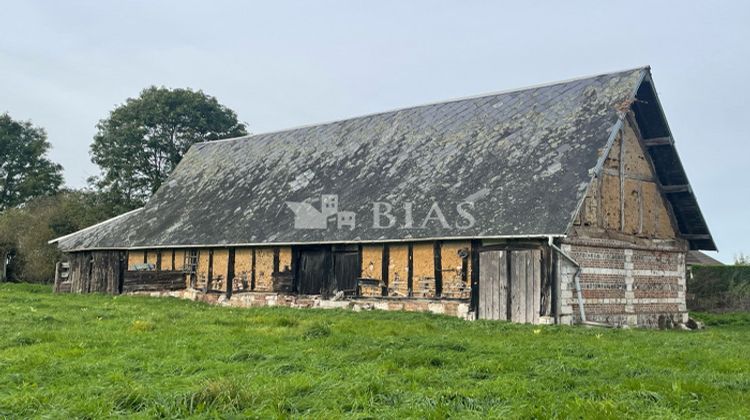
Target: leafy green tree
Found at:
25, 254
141, 141
25, 170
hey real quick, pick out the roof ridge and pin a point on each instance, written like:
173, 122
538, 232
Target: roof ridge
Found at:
448, 101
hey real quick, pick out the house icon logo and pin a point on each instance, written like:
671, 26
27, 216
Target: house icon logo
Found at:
308, 217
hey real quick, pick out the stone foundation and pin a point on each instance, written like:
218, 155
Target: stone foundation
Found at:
451, 307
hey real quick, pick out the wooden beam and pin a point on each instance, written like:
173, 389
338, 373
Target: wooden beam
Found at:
658, 141
210, 270
675, 188
252, 270
230, 272
475, 285
276, 260
410, 277
385, 261
438, 265
696, 236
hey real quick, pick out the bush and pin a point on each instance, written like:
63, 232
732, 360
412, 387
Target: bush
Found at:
722, 288
25, 231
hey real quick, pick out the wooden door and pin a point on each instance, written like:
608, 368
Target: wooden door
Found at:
313, 271
346, 269
510, 285
525, 286
493, 285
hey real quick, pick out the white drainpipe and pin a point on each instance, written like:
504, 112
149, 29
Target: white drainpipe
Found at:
575, 277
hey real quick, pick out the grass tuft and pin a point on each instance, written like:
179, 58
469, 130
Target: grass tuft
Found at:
317, 330
140, 325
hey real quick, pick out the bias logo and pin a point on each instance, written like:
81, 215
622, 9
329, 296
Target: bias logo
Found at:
308, 217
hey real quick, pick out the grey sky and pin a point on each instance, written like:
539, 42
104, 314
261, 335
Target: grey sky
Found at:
65, 65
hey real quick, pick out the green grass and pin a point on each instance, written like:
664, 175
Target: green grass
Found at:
91, 356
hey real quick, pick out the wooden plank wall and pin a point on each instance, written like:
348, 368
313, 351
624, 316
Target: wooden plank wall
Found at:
95, 271
152, 281
493, 293
510, 285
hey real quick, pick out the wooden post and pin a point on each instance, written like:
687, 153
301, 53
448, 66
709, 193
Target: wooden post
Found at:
252, 272
474, 303
210, 270
438, 270
56, 287
276, 261
410, 276
230, 272
384, 269
3, 266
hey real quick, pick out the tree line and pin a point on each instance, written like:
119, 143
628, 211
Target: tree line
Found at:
135, 147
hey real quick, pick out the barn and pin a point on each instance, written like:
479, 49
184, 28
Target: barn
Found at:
560, 203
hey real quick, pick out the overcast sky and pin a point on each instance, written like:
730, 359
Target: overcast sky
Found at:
65, 65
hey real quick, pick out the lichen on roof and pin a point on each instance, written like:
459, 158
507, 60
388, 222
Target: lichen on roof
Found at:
523, 158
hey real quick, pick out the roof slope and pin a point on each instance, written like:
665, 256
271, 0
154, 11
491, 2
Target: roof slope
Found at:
699, 258
111, 233
524, 159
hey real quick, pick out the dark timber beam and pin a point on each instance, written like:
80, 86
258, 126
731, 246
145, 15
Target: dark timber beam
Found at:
675, 188
658, 141
410, 269
696, 236
438, 269
384, 269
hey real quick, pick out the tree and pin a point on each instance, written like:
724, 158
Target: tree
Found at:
25, 254
145, 138
25, 170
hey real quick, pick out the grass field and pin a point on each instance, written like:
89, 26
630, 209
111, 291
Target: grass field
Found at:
99, 356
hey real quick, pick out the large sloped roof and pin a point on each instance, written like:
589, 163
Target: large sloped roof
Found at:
524, 158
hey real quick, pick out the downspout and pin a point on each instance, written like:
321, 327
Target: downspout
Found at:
575, 276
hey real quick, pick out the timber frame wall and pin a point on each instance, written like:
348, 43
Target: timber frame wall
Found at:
432, 270
625, 240
413, 276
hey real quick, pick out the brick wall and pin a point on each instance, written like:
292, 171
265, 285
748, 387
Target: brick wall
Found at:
623, 284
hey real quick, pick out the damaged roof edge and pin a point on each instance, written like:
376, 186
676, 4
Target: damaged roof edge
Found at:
268, 244
110, 220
